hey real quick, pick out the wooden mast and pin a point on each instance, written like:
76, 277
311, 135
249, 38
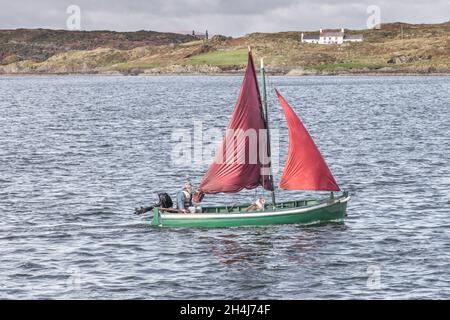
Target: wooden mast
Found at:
266, 119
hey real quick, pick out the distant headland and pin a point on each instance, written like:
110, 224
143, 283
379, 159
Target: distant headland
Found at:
394, 48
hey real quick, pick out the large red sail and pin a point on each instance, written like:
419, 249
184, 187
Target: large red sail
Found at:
241, 161
305, 167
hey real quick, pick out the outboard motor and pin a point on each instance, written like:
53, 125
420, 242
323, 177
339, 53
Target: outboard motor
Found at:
165, 201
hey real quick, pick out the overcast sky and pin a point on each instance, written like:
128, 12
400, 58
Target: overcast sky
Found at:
229, 17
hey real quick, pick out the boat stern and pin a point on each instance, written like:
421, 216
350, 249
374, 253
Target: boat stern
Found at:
156, 221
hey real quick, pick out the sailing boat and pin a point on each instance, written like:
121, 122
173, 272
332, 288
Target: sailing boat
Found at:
243, 164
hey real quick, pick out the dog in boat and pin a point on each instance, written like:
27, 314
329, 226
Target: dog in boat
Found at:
256, 205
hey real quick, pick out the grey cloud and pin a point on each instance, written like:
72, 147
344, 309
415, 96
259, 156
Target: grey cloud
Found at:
231, 17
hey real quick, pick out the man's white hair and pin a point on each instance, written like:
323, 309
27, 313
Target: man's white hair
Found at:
187, 184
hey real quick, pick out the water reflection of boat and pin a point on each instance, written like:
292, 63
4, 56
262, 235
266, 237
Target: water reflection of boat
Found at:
229, 251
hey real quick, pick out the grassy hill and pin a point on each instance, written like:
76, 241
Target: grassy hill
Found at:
423, 48
38, 45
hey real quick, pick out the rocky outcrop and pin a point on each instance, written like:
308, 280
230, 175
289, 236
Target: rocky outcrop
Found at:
300, 72
408, 59
179, 69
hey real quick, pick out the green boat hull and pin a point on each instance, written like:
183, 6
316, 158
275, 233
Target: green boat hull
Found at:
292, 212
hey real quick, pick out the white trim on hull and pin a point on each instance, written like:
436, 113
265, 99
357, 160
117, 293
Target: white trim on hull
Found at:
250, 214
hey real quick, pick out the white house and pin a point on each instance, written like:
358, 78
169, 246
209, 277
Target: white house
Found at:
331, 37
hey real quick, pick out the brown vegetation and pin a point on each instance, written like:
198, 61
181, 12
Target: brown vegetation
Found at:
395, 48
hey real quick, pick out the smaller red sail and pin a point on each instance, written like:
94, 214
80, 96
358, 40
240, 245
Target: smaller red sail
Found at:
305, 167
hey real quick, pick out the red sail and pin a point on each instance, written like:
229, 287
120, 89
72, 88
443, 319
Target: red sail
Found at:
241, 162
305, 167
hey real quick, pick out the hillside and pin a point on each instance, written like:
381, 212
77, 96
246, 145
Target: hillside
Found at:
423, 48
37, 45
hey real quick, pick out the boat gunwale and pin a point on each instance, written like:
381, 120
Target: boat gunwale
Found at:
265, 213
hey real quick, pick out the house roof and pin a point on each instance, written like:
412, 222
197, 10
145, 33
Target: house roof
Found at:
353, 36
332, 34
311, 37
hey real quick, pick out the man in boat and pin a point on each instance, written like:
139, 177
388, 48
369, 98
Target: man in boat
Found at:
184, 198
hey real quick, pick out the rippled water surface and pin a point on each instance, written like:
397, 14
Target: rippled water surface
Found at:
78, 153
